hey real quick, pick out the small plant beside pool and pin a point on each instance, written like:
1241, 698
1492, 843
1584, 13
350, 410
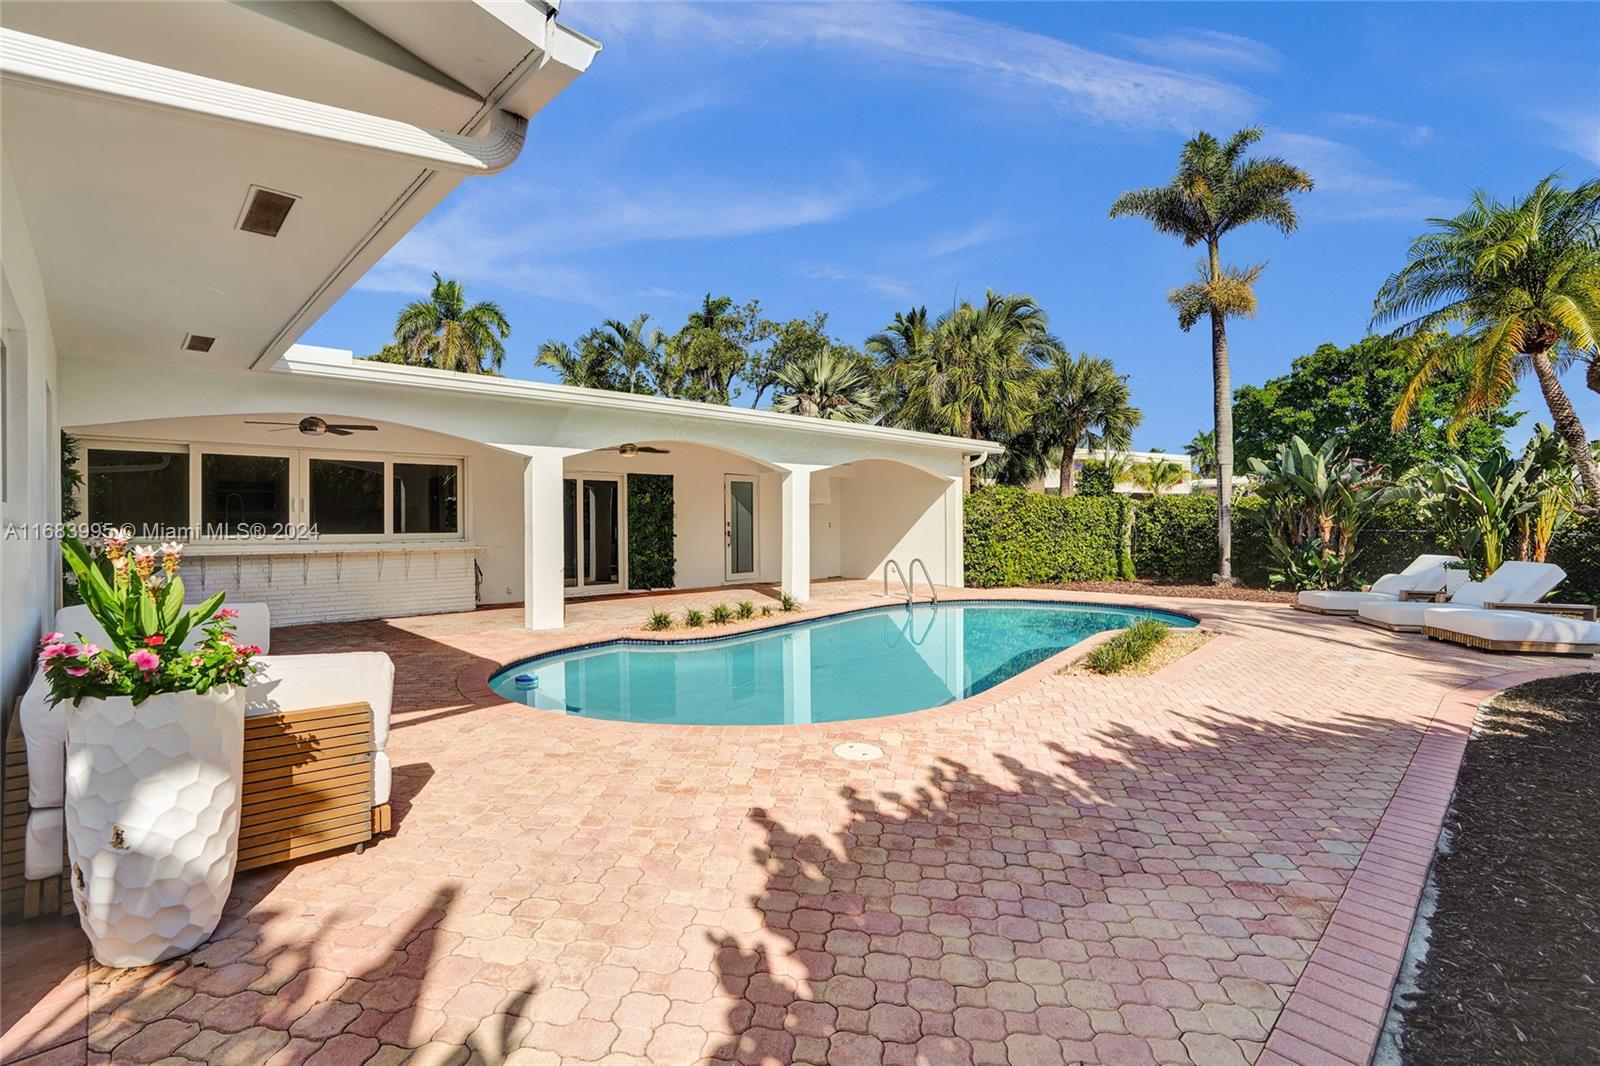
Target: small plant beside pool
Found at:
1128, 648
721, 614
659, 621
694, 619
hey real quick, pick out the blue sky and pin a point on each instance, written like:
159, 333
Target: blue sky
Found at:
864, 158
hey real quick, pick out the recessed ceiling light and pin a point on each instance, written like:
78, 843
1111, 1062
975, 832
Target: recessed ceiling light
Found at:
265, 211
194, 342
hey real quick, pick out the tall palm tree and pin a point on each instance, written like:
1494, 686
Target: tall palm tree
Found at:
972, 372
632, 352
590, 366
826, 385
1202, 451
445, 333
1504, 289
1156, 477
1216, 190
1083, 402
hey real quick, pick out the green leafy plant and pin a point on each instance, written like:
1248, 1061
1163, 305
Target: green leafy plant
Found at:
137, 597
1156, 477
787, 603
1317, 501
1095, 479
652, 559
746, 609
659, 621
721, 614
1127, 648
693, 618
1016, 537
71, 508
766, 611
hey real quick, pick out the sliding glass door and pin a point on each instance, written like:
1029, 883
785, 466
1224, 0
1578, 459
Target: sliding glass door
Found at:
592, 524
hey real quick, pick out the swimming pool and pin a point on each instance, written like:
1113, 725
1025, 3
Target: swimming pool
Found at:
865, 664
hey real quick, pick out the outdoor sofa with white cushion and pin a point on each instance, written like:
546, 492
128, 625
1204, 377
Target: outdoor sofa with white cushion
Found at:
1573, 631
285, 683
1427, 573
1513, 583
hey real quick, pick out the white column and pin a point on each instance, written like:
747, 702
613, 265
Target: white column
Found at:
955, 500
796, 541
544, 605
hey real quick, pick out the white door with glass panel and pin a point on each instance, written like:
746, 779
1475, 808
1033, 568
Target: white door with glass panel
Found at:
593, 523
739, 527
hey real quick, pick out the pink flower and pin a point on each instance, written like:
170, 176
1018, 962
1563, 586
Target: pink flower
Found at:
250, 649
52, 652
91, 650
77, 671
145, 660
155, 640
227, 612
52, 638
196, 661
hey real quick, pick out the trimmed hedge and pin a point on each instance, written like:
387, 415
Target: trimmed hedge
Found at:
1017, 537
652, 554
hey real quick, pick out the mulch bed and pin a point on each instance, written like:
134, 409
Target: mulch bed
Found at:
1186, 592
1512, 972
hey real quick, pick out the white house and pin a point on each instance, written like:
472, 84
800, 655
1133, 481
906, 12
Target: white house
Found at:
188, 186
1049, 481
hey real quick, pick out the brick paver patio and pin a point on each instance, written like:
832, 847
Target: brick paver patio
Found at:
1066, 869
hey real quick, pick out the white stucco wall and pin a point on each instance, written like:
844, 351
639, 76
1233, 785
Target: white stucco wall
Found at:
889, 511
29, 564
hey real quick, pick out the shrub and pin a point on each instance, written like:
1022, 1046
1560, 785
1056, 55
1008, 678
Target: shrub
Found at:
694, 619
1095, 480
721, 614
659, 620
1175, 538
766, 610
1128, 648
651, 560
746, 609
787, 603
1017, 537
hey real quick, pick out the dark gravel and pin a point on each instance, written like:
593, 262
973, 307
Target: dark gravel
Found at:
1187, 592
1512, 973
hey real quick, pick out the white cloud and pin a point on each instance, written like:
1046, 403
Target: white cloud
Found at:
883, 284
1402, 131
1576, 131
515, 236
1349, 185
1206, 48
1018, 66
960, 240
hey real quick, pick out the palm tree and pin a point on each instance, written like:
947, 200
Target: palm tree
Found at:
632, 352
1156, 477
826, 385
1503, 289
591, 366
1216, 190
1081, 402
1202, 451
445, 333
972, 372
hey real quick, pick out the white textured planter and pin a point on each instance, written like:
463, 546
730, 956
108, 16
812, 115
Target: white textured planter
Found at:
153, 797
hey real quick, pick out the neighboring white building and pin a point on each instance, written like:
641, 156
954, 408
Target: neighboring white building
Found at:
186, 187
1050, 481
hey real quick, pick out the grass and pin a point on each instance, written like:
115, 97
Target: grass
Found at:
746, 609
1128, 648
766, 611
787, 603
659, 620
721, 614
694, 619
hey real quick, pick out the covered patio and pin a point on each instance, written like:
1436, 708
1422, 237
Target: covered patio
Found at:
1215, 864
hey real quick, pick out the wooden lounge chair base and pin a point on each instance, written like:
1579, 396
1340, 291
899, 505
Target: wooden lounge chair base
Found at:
1537, 647
1351, 613
1393, 627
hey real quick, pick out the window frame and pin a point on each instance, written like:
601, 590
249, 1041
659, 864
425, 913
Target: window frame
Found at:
299, 487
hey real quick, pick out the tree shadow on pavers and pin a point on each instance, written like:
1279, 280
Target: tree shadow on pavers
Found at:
1125, 898
277, 983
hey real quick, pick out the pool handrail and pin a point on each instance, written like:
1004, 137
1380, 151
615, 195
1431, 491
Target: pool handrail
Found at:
911, 585
903, 582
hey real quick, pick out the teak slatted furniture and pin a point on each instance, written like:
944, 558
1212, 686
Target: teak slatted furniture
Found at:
307, 790
1585, 612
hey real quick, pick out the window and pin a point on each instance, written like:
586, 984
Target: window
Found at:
148, 490
238, 492
346, 496
425, 497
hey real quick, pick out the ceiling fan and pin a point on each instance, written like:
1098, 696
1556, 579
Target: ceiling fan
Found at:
312, 426
628, 451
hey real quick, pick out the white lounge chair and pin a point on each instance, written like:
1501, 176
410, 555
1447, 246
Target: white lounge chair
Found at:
1427, 573
1553, 629
285, 683
1513, 583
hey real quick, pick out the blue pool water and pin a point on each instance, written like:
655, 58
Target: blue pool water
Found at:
884, 661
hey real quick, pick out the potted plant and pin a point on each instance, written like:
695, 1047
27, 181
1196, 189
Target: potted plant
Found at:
155, 753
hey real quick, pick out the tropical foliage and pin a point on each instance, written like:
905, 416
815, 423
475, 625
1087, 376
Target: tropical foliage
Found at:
136, 595
446, 333
826, 384
1351, 393
1079, 402
1218, 189
1501, 290
1202, 453
1156, 477
1318, 500
1128, 648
